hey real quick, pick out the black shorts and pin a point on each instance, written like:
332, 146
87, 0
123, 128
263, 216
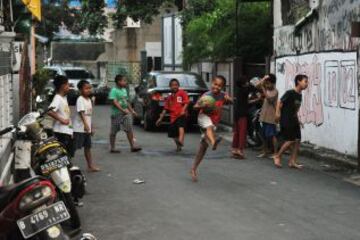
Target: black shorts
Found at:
174, 127
291, 132
82, 140
67, 141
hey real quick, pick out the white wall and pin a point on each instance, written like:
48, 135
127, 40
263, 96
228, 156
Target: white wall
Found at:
330, 104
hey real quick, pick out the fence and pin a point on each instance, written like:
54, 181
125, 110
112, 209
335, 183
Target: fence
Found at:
132, 70
6, 110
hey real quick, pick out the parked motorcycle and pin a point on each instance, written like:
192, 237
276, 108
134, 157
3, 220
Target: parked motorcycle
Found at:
29, 210
34, 149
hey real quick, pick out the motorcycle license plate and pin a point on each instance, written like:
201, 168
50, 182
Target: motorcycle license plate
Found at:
55, 164
45, 218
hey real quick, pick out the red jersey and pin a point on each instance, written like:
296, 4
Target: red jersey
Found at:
174, 104
220, 101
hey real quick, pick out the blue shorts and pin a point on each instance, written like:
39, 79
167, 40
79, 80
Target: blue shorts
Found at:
269, 130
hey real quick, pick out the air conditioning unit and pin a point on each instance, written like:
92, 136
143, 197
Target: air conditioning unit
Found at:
314, 3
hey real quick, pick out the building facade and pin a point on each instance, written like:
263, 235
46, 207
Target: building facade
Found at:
318, 38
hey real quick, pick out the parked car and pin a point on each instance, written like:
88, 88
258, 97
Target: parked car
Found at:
153, 90
74, 74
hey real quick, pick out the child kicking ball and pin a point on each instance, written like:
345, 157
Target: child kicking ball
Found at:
176, 104
210, 109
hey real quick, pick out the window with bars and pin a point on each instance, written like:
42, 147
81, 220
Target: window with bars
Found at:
6, 106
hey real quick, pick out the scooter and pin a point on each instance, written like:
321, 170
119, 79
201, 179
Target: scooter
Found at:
34, 150
29, 210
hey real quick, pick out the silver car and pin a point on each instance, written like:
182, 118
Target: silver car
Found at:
74, 74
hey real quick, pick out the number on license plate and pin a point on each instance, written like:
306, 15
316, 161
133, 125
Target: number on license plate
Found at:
45, 218
55, 164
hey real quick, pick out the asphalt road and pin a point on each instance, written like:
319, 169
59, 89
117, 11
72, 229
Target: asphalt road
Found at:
234, 199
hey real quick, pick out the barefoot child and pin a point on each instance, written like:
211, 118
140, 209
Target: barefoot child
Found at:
287, 113
268, 114
176, 104
121, 114
62, 126
83, 129
208, 121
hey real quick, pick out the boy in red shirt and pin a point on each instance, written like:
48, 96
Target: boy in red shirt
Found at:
176, 104
209, 120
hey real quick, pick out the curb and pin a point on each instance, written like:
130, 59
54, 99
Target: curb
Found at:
313, 152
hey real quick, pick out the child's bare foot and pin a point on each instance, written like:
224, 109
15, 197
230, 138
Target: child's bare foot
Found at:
262, 155
193, 174
216, 143
277, 161
93, 169
295, 166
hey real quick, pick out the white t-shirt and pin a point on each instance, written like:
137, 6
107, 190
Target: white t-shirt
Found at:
61, 107
82, 105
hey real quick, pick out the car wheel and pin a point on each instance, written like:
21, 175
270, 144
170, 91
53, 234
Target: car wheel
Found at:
149, 125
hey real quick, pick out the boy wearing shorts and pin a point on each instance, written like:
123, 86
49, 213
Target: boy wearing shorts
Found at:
176, 104
209, 120
83, 129
268, 113
62, 126
121, 114
287, 112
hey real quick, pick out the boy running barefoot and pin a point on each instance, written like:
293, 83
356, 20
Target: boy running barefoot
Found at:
83, 129
287, 112
121, 114
62, 127
209, 120
177, 104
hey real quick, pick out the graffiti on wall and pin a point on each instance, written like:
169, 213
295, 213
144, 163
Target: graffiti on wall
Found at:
332, 83
312, 109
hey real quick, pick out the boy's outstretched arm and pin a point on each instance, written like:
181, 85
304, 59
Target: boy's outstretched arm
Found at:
162, 114
228, 99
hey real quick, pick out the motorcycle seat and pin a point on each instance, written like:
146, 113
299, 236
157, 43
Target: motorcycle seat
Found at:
9, 192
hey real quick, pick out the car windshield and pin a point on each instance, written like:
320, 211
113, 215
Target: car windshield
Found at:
78, 74
185, 80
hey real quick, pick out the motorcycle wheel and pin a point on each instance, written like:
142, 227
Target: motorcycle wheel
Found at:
74, 215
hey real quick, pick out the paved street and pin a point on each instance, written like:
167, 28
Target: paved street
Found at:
247, 200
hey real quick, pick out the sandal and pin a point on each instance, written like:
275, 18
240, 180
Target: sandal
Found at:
115, 151
136, 149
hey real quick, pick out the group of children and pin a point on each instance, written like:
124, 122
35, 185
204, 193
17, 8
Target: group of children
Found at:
78, 135
273, 112
74, 133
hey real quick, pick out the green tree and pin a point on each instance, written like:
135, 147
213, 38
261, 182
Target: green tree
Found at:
93, 17
209, 30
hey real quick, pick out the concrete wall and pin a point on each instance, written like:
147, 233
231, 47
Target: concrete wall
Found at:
127, 43
322, 47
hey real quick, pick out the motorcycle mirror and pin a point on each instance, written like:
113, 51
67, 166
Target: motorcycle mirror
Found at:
39, 99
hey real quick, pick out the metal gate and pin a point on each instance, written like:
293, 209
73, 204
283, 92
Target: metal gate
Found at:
132, 70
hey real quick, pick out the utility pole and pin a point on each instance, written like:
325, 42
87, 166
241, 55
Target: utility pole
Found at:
33, 48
